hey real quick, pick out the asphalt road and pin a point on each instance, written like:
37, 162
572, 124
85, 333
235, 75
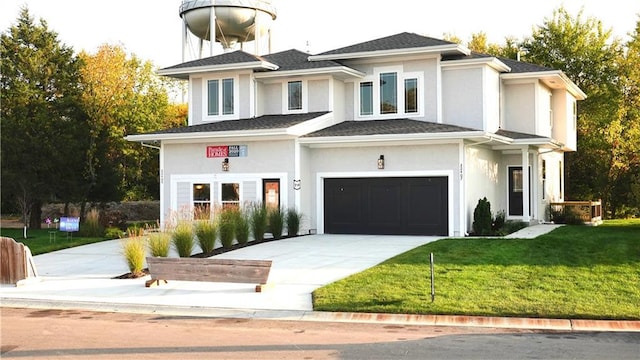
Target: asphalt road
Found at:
71, 334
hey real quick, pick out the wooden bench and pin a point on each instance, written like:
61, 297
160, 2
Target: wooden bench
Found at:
207, 269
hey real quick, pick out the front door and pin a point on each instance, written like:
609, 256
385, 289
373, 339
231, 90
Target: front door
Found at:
271, 193
516, 191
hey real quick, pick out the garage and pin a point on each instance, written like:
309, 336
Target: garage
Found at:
386, 206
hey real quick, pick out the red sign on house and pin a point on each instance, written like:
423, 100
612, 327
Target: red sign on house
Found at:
217, 151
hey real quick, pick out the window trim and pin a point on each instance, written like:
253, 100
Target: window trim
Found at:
221, 84
374, 78
220, 201
304, 97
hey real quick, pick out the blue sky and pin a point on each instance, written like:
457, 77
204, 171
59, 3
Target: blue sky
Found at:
151, 29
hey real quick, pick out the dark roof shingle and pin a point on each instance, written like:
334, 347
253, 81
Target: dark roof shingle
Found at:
403, 40
386, 127
259, 123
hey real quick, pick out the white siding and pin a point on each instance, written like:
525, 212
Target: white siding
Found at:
519, 107
463, 98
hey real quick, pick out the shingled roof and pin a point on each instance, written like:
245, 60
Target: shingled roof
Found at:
264, 122
235, 57
297, 60
403, 40
386, 127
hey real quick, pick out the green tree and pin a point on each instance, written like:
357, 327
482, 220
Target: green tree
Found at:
42, 127
591, 58
122, 95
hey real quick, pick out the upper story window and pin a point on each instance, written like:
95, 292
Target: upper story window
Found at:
389, 93
220, 97
294, 95
366, 98
397, 94
411, 95
294, 99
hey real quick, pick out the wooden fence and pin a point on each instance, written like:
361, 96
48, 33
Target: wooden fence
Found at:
590, 212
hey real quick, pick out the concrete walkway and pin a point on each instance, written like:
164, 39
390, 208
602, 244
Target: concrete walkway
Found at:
82, 278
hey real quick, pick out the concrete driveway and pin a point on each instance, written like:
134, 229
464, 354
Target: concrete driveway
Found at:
84, 275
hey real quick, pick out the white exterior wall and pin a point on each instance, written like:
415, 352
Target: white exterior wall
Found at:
270, 98
483, 178
564, 119
551, 187
400, 161
318, 90
519, 107
186, 164
491, 95
463, 98
544, 114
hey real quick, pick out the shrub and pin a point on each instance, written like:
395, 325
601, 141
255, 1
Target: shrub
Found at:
91, 226
206, 233
182, 239
565, 215
276, 222
159, 244
482, 218
258, 221
226, 227
133, 249
113, 233
498, 221
293, 219
242, 227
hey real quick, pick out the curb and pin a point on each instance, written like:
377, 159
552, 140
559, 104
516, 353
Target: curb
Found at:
569, 325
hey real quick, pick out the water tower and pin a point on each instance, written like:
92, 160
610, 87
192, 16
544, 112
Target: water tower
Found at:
235, 22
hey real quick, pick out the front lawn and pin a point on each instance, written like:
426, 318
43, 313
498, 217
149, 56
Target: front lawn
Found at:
39, 241
572, 272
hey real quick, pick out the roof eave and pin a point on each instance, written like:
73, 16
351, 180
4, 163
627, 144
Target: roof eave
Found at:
339, 70
183, 73
327, 140
569, 85
207, 135
437, 49
492, 62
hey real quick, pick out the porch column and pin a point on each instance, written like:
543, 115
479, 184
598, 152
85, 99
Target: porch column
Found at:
526, 214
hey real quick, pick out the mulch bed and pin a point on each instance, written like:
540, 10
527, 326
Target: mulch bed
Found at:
217, 251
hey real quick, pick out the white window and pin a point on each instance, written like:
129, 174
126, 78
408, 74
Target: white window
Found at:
366, 98
221, 99
230, 195
202, 200
294, 96
397, 93
294, 101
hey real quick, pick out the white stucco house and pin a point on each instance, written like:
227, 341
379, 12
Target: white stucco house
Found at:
398, 135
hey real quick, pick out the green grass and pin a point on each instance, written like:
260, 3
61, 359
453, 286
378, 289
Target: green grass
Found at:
572, 272
38, 239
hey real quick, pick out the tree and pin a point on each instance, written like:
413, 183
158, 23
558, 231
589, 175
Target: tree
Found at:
42, 127
592, 59
122, 96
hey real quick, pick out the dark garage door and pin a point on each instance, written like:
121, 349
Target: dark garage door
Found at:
386, 206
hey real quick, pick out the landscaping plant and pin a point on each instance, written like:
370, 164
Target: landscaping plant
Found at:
91, 226
182, 238
206, 232
134, 251
293, 219
226, 227
258, 221
242, 227
159, 244
276, 222
482, 218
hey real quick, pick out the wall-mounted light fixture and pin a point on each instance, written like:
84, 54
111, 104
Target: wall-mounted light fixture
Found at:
225, 164
381, 162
